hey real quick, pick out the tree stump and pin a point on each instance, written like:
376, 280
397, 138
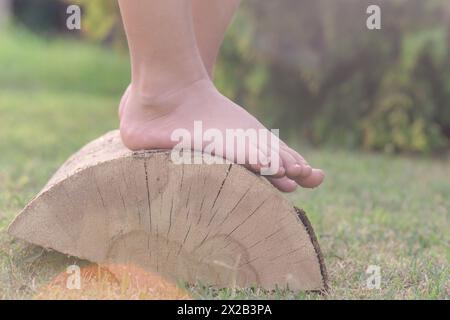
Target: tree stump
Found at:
219, 225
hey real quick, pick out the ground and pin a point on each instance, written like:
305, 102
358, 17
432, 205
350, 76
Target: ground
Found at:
381, 210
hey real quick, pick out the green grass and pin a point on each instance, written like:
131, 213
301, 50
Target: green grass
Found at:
56, 95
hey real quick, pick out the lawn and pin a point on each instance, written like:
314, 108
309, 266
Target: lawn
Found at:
56, 95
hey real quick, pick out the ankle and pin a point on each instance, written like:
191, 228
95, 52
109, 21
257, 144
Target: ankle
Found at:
148, 96
153, 81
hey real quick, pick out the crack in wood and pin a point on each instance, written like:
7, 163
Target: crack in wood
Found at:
127, 187
203, 241
226, 217
137, 202
201, 207
287, 254
243, 222
182, 178
283, 240
248, 262
123, 200
187, 214
148, 196
217, 196
157, 249
234, 208
221, 186
149, 206
184, 241
266, 238
99, 193
188, 196
269, 236
170, 221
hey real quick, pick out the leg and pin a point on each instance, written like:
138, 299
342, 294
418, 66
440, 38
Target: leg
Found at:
171, 89
211, 20
162, 43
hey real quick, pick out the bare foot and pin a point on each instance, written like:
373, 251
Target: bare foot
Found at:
148, 123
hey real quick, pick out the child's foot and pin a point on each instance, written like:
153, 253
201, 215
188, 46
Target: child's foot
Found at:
148, 123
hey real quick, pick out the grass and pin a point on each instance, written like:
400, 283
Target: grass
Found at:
56, 95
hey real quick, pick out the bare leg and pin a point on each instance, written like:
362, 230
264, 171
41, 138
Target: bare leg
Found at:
163, 48
211, 21
171, 89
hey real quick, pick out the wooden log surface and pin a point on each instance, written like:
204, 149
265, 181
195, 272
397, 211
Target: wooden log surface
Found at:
219, 224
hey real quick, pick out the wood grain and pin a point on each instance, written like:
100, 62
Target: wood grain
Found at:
220, 225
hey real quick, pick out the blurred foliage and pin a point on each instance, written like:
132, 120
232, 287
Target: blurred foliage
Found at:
44, 16
313, 69
101, 20
334, 81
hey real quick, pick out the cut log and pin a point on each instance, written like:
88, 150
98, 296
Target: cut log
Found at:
219, 225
